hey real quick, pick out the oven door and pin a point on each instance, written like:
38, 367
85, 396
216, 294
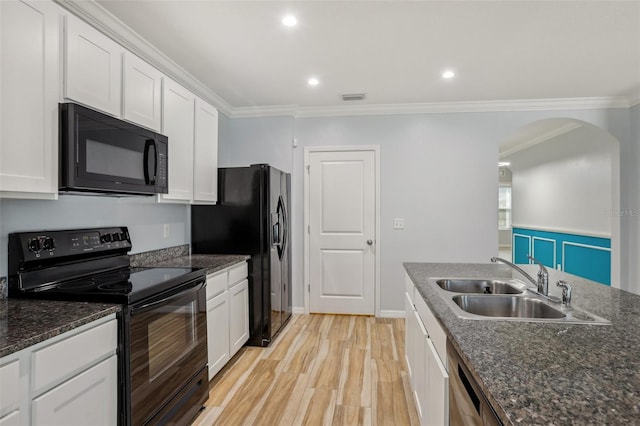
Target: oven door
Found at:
167, 353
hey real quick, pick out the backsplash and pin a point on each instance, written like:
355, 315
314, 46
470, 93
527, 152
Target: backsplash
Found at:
3, 287
153, 256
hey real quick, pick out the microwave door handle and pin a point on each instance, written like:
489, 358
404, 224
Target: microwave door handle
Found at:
150, 179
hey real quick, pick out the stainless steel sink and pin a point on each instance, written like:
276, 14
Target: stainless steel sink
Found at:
506, 299
506, 306
482, 286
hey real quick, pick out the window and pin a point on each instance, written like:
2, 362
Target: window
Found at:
504, 206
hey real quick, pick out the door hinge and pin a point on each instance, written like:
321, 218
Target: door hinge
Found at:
308, 168
308, 229
309, 288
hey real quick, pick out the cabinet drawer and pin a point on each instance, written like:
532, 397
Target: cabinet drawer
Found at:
238, 273
216, 284
88, 398
74, 353
9, 386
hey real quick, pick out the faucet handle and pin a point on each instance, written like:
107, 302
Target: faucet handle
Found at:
566, 292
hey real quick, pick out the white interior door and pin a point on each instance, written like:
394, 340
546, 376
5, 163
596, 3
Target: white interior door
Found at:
342, 228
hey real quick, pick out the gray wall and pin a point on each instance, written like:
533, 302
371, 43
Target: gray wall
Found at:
438, 171
144, 217
249, 141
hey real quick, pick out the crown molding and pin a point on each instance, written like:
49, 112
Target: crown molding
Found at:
104, 21
434, 108
565, 128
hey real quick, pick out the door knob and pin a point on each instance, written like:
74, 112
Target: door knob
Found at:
369, 242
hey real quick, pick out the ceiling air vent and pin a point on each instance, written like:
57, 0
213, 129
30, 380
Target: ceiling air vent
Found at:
353, 97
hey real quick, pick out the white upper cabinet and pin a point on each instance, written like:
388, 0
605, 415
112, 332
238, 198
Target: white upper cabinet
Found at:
142, 93
93, 67
31, 89
177, 124
205, 159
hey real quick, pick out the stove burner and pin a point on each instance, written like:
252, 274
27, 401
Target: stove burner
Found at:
120, 287
76, 285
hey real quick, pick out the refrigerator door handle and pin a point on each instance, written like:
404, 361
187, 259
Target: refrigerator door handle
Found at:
275, 230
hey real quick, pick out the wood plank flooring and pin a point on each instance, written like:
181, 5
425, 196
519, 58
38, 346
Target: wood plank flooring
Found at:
322, 370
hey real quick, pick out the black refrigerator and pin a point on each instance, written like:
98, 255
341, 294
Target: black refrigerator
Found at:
252, 217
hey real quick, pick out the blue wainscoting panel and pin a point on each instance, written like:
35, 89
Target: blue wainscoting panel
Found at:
544, 250
586, 261
521, 247
582, 255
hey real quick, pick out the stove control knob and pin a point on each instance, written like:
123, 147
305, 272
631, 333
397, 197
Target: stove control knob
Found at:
115, 236
34, 245
124, 236
49, 243
105, 238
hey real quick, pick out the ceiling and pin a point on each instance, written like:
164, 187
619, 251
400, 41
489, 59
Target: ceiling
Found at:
396, 51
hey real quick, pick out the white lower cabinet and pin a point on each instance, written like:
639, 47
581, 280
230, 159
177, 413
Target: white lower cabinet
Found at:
239, 315
227, 315
85, 399
426, 361
70, 379
218, 332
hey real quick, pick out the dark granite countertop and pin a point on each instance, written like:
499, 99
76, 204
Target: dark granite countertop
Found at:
211, 262
25, 322
545, 373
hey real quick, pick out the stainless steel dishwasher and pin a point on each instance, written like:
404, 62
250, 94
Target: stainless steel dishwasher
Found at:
467, 404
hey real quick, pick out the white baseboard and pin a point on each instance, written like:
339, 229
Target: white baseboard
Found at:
386, 313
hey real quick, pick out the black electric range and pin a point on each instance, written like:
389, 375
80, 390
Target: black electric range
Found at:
162, 348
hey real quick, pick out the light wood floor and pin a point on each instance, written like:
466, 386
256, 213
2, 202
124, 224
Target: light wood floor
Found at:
322, 370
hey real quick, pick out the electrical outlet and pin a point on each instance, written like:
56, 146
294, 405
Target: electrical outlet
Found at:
165, 230
398, 223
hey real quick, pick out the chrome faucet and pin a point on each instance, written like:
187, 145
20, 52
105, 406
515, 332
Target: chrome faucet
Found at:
517, 268
543, 277
542, 283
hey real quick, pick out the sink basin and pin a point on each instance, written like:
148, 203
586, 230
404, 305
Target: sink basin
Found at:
467, 285
506, 306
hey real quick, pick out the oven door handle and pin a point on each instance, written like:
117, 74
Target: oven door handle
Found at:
166, 300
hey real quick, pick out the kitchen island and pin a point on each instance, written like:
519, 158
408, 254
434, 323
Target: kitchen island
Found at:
546, 373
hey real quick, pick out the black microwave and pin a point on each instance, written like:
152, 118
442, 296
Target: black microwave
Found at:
102, 154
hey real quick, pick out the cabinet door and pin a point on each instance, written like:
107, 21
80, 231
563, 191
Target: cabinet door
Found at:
218, 332
238, 315
437, 396
12, 419
177, 125
30, 87
420, 370
142, 93
93, 67
205, 158
89, 398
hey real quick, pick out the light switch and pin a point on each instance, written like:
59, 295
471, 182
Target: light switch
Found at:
398, 223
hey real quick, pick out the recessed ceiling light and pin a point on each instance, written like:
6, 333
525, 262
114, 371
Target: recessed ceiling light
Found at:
313, 81
289, 21
448, 74
503, 163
